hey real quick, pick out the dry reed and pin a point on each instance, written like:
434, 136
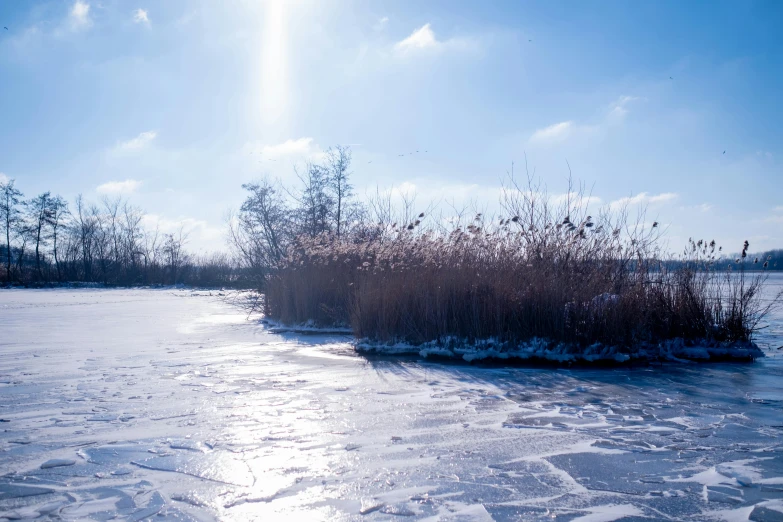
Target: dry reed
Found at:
545, 271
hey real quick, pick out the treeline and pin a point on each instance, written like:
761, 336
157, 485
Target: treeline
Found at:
774, 258
769, 260
45, 240
546, 268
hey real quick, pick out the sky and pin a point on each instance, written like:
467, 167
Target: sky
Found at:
671, 106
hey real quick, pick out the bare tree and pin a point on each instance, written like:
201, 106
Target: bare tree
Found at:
338, 164
316, 204
263, 230
111, 230
173, 251
132, 233
85, 227
23, 233
149, 250
40, 214
101, 239
58, 215
11, 216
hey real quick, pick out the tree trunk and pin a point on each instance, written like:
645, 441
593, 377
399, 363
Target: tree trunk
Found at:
54, 247
37, 254
8, 250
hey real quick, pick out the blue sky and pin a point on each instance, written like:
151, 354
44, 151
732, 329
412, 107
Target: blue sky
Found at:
175, 104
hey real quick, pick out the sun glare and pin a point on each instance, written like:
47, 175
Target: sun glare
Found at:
274, 82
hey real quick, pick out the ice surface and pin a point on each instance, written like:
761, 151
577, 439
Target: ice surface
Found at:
173, 404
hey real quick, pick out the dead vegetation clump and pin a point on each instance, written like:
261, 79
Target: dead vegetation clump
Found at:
546, 269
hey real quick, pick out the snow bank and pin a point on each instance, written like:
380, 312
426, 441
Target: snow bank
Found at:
542, 350
306, 328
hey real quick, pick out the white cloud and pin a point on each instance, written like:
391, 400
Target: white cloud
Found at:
574, 197
26, 40
4, 178
450, 198
703, 208
201, 236
442, 194
119, 187
291, 148
380, 25
553, 133
643, 199
776, 217
619, 110
140, 16
79, 15
562, 131
139, 142
188, 17
663, 198
404, 189
423, 39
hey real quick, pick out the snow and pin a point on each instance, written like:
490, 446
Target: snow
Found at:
610, 513
306, 328
174, 404
543, 350
56, 463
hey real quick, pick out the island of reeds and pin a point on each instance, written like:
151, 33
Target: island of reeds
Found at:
548, 278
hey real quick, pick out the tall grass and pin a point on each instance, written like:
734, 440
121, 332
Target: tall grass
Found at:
544, 270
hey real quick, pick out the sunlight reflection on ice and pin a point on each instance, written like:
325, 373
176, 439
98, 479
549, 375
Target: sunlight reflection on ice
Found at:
223, 419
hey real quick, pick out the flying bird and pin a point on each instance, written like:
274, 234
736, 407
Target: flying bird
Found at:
369, 161
724, 152
4, 27
671, 78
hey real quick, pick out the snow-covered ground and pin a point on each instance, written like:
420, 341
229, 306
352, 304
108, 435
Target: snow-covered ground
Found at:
171, 404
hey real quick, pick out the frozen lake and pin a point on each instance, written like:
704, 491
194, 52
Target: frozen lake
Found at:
171, 404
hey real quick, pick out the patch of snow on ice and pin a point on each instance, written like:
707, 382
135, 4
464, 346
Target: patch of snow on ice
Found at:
610, 512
